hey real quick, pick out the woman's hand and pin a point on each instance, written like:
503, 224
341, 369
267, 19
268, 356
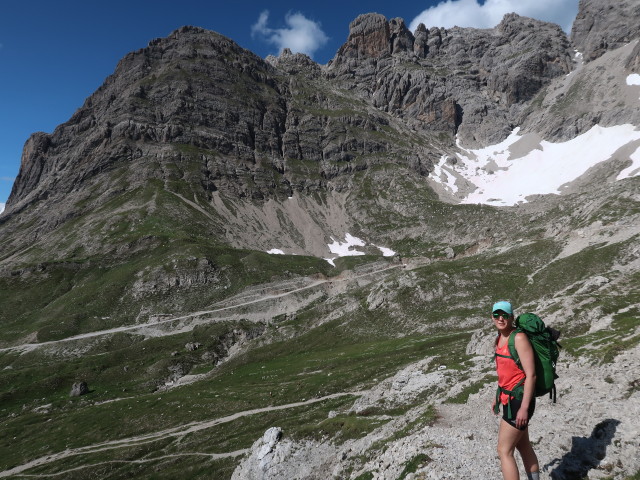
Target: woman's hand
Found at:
522, 418
493, 407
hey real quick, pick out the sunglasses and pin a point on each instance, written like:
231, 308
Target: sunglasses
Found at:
501, 314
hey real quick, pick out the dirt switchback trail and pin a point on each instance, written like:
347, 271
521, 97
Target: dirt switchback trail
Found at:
179, 431
27, 347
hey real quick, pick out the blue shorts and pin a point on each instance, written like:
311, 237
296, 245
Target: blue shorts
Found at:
515, 406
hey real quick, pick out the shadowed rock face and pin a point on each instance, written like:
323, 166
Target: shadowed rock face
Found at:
196, 94
181, 90
602, 26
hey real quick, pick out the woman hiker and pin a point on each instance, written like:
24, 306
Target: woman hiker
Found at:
516, 394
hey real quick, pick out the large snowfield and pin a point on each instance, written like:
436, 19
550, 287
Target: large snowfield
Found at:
502, 178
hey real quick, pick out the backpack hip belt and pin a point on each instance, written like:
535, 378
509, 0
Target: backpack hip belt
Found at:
517, 393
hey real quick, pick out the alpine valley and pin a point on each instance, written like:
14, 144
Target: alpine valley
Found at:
224, 266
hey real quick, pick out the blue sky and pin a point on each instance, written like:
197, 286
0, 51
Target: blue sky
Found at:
54, 54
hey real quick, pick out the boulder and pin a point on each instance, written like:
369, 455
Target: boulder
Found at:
78, 389
192, 346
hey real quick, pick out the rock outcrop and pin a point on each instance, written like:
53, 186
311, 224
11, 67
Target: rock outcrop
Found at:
271, 457
570, 443
603, 26
78, 389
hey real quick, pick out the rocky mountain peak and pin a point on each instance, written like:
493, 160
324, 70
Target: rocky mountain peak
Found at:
461, 81
293, 63
368, 37
513, 25
420, 43
400, 37
372, 36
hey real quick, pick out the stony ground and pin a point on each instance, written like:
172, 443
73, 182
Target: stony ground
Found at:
592, 431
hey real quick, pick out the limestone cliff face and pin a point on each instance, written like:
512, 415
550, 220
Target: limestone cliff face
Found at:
195, 89
196, 96
602, 26
462, 80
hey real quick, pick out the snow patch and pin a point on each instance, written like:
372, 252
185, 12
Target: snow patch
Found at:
444, 174
503, 180
386, 252
343, 249
633, 79
2, 207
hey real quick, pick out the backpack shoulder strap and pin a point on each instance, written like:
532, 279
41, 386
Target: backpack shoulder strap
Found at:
512, 347
495, 348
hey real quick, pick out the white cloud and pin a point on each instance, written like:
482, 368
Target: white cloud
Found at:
469, 13
301, 35
2, 207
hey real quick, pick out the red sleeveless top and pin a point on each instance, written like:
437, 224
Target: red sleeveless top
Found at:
508, 372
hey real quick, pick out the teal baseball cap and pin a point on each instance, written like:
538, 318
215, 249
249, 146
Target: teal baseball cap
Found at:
504, 306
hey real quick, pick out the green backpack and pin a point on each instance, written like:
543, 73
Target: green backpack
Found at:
546, 350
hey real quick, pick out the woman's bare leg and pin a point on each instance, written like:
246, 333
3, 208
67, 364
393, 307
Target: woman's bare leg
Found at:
508, 438
529, 457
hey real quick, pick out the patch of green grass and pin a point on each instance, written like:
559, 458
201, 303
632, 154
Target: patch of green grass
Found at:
324, 360
426, 418
570, 100
414, 464
136, 462
341, 427
365, 476
604, 345
193, 151
62, 299
566, 271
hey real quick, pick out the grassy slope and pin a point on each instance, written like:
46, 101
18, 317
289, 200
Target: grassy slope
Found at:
153, 246
349, 352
